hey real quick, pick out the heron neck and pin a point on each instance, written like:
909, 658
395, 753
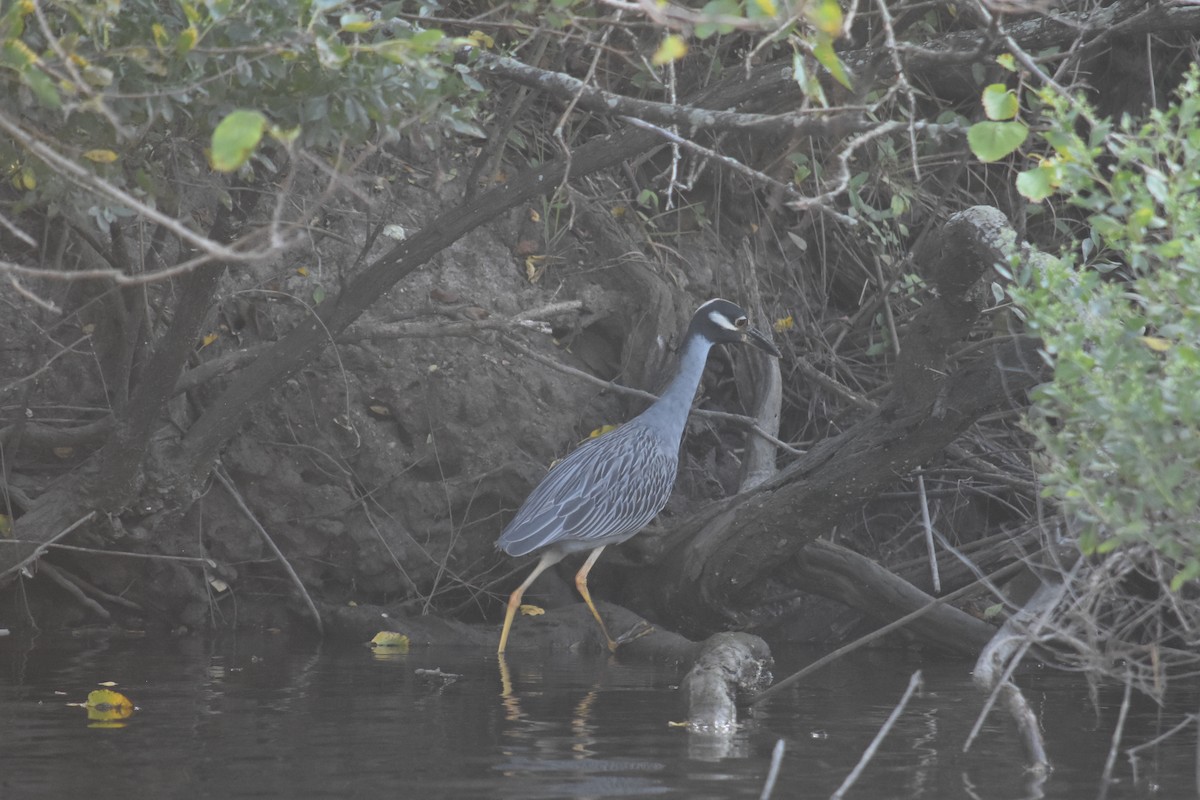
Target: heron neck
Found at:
669, 412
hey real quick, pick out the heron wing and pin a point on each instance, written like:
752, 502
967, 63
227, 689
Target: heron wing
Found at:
603, 492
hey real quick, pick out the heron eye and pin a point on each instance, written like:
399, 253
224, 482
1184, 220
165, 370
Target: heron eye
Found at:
741, 322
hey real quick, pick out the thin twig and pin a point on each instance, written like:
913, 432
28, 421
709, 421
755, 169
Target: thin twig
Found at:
914, 683
41, 549
773, 772
1106, 775
223, 479
934, 575
127, 554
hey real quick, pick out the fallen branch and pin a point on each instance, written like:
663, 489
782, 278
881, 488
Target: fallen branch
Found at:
998, 575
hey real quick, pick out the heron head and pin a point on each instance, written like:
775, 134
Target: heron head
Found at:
721, 321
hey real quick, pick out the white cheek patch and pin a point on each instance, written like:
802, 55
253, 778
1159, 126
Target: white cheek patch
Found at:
722, 321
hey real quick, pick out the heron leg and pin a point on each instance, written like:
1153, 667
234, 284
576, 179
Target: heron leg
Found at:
549, 559
581, 585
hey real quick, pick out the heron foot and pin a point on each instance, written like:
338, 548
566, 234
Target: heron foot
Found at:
633, 634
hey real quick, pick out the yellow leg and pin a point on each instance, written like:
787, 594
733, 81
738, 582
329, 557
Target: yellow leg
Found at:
549, 559
581, 585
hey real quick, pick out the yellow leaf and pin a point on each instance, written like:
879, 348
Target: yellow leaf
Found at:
160, 35
391, 641
28, 179
534, 216
481, 39
534, 267
766, 6
672, 724
101, 156
208, 339
618, 211
531, 610
784, 324
64, 452
603, 429
302, 272
1155, 343
107, 684
6, 526
105, 705
673, 48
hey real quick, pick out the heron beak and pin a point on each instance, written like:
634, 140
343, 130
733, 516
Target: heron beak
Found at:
755, 337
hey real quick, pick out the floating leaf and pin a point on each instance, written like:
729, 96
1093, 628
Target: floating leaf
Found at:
992, 141
999, 102
105, 705
531, 610
235, 138
672, 49
101, 156
389, 641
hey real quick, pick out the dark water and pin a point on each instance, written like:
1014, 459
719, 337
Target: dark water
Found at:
266, 719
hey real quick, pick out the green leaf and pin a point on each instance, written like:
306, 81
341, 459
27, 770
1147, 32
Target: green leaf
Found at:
999, 102
426, 41
708, 24
992, 141
42, 86
235, 137
826, 16
1036, 184
823, 52
1007, 61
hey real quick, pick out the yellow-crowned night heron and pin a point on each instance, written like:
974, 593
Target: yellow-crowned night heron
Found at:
611, 487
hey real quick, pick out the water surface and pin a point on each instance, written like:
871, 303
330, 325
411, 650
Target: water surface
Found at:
263, 718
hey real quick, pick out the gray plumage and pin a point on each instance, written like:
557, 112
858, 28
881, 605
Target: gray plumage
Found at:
603, 493
610, 488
